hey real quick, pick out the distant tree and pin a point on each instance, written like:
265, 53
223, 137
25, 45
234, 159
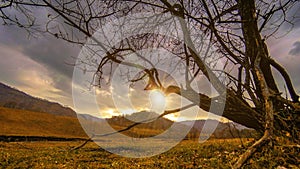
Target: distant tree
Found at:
238, 28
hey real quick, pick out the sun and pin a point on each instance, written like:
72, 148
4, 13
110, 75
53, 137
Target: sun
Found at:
157, 100
110, 112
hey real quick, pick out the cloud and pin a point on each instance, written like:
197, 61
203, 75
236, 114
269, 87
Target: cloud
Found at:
296, 49
28, 75
51, 54
280, 50
47, 50
55, 56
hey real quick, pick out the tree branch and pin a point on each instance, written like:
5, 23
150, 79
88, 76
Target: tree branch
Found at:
286, 78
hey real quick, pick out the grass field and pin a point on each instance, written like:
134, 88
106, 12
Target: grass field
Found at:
187, 154
214, 153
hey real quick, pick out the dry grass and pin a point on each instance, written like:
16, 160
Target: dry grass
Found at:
215, 153
187, 154
28, 123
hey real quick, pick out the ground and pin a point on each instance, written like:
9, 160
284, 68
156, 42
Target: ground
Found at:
220, 153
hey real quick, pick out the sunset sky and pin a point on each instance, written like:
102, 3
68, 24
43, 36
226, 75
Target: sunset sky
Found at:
42, 66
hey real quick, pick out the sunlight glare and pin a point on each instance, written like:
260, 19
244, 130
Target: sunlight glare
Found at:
158, 101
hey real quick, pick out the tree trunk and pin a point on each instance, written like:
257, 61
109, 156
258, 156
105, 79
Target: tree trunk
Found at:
235, 109
255, 44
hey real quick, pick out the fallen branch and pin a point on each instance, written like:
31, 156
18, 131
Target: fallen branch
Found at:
83, 144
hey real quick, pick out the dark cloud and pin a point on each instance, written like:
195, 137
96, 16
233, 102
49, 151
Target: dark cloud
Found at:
47, 50
56, 56
51, 53
296, 49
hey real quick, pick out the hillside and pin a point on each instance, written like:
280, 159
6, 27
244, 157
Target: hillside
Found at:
29, 123
13, 98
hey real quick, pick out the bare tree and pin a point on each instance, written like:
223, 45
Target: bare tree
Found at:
237, 28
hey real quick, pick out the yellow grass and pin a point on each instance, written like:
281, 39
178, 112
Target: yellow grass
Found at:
188, 154
28, 123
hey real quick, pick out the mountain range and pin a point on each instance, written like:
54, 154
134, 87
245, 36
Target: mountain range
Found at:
22, 114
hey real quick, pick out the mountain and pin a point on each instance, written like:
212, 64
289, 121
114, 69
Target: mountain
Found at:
13, 98
150, 125
198, 124
222, 130
90, 118
209, 123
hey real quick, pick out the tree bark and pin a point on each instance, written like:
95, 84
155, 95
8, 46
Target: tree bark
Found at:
256, 50
254, 43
